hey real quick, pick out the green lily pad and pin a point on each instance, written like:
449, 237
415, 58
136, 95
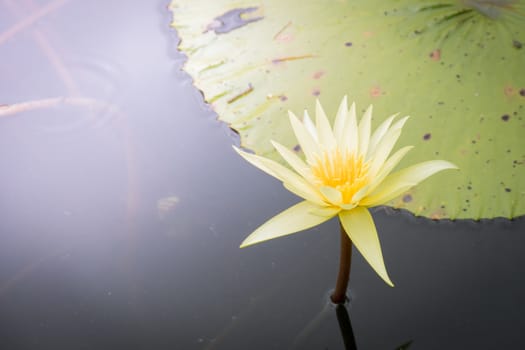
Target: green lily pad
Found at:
456, 67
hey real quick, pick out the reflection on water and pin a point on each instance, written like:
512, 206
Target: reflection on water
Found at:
122, 206
346, 327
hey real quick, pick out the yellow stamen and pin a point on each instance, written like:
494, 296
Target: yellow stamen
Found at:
346, 172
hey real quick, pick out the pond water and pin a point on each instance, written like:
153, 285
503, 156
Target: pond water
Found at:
122, 206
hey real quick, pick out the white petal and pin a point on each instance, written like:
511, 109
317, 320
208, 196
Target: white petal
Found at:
385, 146
340, 121
397, 183
400, 123
387, 167
305, 139
296, 218
383, 151
359, 226
309, 125
379, 154
324, 130
364, 131
332, 195
379, 133
350, 132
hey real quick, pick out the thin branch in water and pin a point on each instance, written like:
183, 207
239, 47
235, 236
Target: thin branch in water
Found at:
29, 20
15, 108
48, 50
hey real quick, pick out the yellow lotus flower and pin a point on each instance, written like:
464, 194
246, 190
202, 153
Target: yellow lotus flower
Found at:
347, 170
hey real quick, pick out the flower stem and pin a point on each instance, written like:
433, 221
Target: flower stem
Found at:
345, 262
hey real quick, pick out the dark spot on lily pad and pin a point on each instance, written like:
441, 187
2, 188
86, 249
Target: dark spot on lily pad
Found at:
231, 20
522, 92
517, 44
508, 91
505, 117
348, 44
407, 198
435, 55
318, 75
427, 136
507, 189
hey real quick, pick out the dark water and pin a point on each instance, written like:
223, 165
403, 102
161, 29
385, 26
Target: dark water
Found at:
122, 206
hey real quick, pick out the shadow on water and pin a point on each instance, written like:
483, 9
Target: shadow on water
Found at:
123, 205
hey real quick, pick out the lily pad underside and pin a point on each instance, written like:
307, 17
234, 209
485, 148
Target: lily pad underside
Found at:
456, 67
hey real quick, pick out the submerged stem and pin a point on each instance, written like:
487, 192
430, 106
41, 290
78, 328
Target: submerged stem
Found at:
345, 262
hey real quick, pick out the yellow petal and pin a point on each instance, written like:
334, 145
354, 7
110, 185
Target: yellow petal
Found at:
296, 218
306, 192
295, 162
397, 183
256, 161
360, 194
340, 120
324, 130
364, 131
347, 206
326, 211
332, 195
296, 183
379, 133
360, 227
305, 139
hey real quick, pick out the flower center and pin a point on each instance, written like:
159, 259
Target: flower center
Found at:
346, 172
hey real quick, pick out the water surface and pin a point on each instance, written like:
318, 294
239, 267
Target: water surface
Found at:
122, 207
